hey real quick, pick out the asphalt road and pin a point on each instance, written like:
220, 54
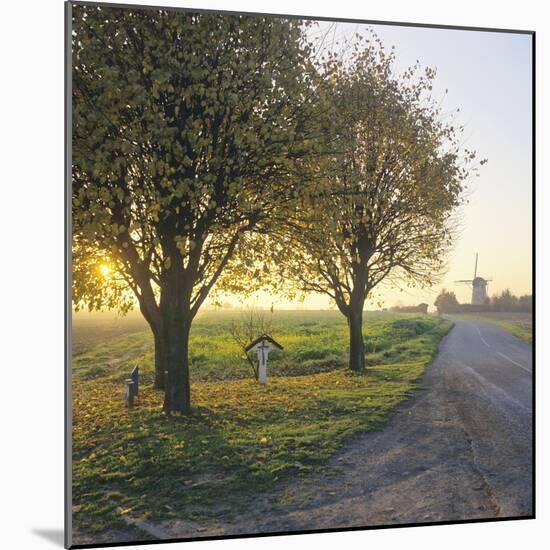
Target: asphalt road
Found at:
459, 449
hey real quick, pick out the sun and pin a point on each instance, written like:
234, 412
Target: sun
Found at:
105, 270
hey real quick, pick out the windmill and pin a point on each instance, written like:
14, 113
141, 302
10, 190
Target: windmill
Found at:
479, 287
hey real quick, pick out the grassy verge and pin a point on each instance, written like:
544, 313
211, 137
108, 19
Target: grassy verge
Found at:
243, 437
520, 325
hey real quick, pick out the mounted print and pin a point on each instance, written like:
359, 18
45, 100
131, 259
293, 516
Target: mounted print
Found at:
299, 274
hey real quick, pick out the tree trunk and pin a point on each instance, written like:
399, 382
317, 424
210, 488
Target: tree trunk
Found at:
356, 344
160, 361
175, 348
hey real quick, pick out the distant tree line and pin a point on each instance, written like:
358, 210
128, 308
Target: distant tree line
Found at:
420, 308
506, 301
446, 302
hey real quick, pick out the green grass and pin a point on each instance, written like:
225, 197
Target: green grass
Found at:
519, 324
314, 341
244, 437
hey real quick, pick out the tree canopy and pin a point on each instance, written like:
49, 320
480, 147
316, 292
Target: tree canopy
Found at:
185, 130
446, 302
382, 205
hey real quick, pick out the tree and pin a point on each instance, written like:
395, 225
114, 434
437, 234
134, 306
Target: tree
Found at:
505, 301
186, 129
446, 302
381, 208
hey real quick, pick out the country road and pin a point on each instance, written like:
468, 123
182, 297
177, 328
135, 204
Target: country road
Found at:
460, 448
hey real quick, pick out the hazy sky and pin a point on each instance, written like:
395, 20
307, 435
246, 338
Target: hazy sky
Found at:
488, 76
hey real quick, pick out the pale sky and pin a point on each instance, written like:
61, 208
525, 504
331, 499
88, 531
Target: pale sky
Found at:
488, 76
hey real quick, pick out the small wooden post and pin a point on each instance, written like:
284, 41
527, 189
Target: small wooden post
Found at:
130, 393
263, 352
135, 380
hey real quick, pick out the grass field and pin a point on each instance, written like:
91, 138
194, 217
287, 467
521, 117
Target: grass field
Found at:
519, 324
244, 437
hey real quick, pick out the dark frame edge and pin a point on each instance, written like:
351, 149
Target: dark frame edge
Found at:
68, 275
534, 271
301, 532
297, 16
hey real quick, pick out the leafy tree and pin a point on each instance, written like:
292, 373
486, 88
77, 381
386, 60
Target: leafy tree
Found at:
506, 301
186, 131
446, 302
381, 207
